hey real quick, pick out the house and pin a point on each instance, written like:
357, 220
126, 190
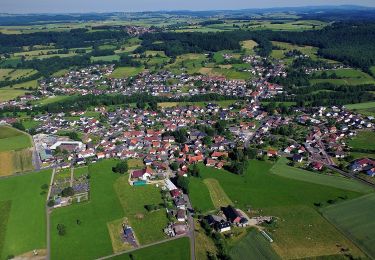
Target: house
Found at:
181, 215
179, 229
175, 193
371, 172
144, 174
180, 203
297, 158
232, 214
317, 166
218, 223
271, 153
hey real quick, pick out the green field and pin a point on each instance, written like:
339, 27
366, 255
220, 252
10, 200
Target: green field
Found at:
200, 196
53, 99
282, 169
363, 140
253, 246
108, 58
13, 139
7, 94
217, 194
22, 201
123, 72
355, 218
367, 109
291, 202
111, 199
346, 77
175, 249
14, 74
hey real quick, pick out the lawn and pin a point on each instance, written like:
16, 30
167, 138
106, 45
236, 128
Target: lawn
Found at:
253, 246
13, 139
363, 140
282, 169
270, 194
148, 226
217, 194
91, 238
355, 218
175, 249
24, 200
200, 196
123, 72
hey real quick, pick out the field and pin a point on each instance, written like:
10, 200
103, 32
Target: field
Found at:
253, 246
15, 161
363, 140
175, 249
22, 201
367, 109
282, 169
289, 200
53, 99
14, 74
221, 103
249, 46
347, 77
9, 94
217, 194
111, 199
200, 196
123, 72
108, 58
355, 218
203, 243
13, 139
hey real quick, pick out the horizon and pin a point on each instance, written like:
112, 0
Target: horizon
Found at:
117, 6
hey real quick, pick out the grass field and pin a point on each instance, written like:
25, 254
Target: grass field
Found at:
148, 226
217, 194
123, 72
282, 169
200, 196
364, 140
176, 249
53, 99
347, 77
24, 200
289, 200
355, 218
249, 46
10, 94
15, 162
253, 246
367, 109
14, 74
108, 58
13, 139
203, 243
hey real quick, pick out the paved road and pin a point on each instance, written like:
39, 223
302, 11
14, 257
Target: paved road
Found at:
36, 160
190, 234
48, 212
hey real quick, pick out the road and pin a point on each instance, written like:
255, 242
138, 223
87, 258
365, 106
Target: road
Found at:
350, 175
190, 234
35, 157
48, 212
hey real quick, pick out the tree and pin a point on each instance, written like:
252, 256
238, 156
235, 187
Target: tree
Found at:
67, 192
183, 183
121, 167
51, 203
61, 229
174, 166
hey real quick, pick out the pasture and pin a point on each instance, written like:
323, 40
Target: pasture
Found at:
363, 140
253, 246
345, 77
355, 218
7, 94
200, 196
281, 168
123, 72
217, 194
22, 203
288, 200
175, 249
13, 139
366, 109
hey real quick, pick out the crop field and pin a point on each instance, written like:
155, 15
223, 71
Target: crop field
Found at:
13, 139
123, 72
347, 77
200, 196
148, 226
15, 162
288, 200
218, 195
175, 249
282, 169
355, 219
363, 140
253, 246
22, 202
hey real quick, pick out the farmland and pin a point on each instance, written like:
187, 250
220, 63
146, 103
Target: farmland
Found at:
22, 197
282, 169
364, 140
200, 196
253, 246
218, 195
261, 190
345, 77
9, 94
13, 139
175, 249
14, 74
355, 219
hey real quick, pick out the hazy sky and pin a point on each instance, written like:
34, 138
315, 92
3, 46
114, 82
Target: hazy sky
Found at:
56, 6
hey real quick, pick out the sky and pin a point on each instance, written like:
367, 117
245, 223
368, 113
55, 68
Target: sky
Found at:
82, 6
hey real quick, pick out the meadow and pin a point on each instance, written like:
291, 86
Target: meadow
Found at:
282, 169
112, 201
13, 139
200, 196
22, 203
363, 140
217, 194
346, 77
7, 94
355, 219
175, 249
253, 246
289, 200
122, 72
14, 74
366, 109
